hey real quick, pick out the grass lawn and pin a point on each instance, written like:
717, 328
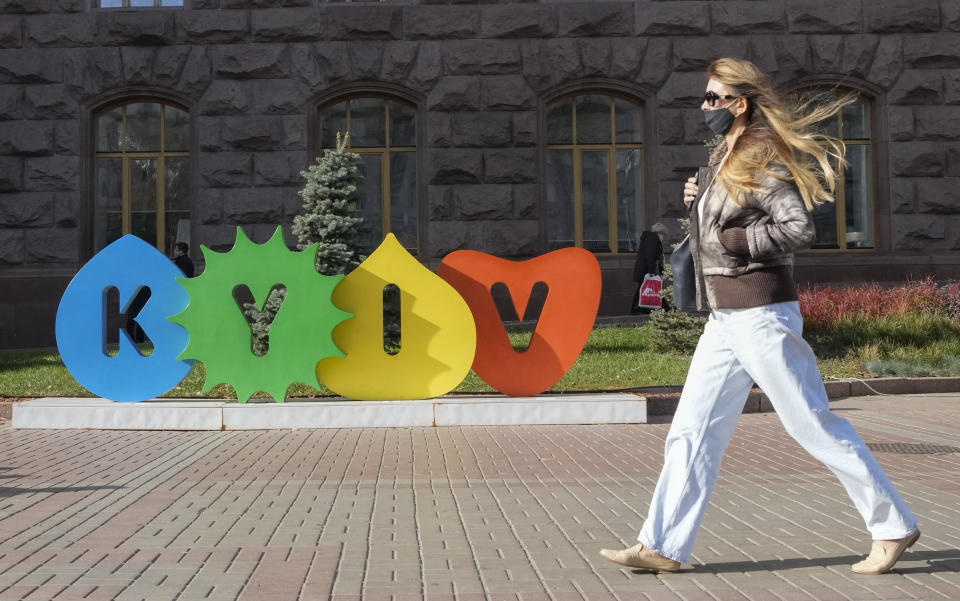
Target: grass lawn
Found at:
614, 358
915, 344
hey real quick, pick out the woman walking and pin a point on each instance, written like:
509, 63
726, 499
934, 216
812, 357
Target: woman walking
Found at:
749, 213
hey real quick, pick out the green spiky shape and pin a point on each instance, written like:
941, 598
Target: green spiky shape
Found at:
301, 333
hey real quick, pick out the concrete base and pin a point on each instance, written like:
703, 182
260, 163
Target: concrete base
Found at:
174, 414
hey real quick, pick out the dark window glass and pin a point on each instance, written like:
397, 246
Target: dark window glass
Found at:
110, 130
108, 224
560, 199
368, 122
596, 200
856, 123
629, 198
593, 119
332, 120
371, 199
143, 199
143, 185
628, 122
825, 222
403, 121
403, 198
177, 183
857, 205
560, 122
143, 127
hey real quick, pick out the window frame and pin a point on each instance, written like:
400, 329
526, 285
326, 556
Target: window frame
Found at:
88, 163
874, 102
388, 93
651, 205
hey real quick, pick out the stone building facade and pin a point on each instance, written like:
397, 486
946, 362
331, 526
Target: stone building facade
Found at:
483, 87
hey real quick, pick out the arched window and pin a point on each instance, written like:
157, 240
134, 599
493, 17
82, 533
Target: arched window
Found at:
383, 131
847, 224
142, 174
594, 172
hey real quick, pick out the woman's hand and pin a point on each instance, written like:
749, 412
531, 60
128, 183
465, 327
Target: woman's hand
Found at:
690, 190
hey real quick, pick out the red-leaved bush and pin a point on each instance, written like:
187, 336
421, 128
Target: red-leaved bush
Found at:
823, 306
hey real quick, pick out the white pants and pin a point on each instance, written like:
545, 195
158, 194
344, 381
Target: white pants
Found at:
763, 345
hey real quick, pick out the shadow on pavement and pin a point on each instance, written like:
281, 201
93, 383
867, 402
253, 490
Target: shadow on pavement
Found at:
9, 491
938, 561
666, 419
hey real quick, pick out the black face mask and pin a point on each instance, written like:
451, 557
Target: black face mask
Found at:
719, 121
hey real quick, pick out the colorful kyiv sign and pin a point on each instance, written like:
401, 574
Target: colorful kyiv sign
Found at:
329, 329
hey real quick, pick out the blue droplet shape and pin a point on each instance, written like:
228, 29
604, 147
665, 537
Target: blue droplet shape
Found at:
126, 264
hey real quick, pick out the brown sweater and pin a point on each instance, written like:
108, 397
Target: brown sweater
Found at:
753, 289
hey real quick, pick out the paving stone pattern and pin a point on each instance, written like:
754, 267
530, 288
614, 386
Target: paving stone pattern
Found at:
470, 513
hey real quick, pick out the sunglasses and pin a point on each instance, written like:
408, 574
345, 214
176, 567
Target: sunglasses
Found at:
711, 98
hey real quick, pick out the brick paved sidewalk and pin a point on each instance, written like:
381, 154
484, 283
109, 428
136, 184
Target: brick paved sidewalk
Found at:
467, 513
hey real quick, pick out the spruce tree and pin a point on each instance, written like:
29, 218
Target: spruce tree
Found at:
329, 200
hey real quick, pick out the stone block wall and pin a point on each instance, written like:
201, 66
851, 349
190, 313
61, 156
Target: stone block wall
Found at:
252, 71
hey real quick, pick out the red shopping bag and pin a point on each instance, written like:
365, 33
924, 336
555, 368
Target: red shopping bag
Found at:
650, 289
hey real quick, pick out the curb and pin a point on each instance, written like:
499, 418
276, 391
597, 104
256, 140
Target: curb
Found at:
663, 400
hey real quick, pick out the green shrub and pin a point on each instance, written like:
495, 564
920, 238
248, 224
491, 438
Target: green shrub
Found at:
675, 332
329, 218
666, 293
901, 369
261, 320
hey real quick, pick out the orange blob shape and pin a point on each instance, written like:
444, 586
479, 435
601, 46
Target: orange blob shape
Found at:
572, 276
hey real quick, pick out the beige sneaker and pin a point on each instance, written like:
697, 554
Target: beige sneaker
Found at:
883, 556
639, 556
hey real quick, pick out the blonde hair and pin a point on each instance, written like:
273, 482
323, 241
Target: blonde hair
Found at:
777, 132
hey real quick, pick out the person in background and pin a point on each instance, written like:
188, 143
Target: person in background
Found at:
182, 259
649, 260
748, 216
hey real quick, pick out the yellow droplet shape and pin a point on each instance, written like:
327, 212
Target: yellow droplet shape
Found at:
438, 337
